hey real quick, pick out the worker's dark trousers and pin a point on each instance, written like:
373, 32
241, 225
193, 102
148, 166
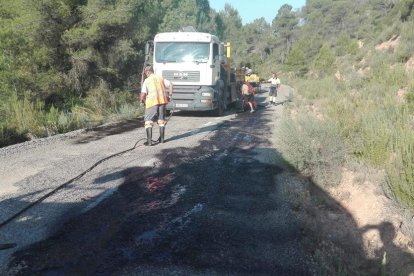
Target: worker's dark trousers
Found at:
162, 134
149, 136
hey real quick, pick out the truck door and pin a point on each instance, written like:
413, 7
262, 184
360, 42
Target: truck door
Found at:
216, 63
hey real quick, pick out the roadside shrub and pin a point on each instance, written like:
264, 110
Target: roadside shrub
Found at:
400, 165
400, 172
296, 61
408, 223
104, 104
388, 32
317, 88
10, 136
24, 116
345, 110
376, 136
80, 118
51, 121
100, 101
406, 48
324, 62
410, 96
314, 148
129, 111
63, 122
23, 119
383, 74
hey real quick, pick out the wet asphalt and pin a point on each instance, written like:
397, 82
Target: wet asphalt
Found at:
207, 202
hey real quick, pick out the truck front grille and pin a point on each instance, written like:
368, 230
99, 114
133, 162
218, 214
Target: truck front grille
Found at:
182, 76
184, 93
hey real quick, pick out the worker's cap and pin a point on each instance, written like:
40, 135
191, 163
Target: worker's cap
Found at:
148, 68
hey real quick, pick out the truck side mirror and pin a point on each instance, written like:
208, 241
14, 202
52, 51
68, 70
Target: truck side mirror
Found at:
147, 49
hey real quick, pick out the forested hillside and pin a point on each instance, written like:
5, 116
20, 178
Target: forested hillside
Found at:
76, 63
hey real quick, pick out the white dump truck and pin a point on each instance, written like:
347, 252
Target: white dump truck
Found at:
199, 66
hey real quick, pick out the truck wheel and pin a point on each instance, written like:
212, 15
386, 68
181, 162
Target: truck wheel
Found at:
221, 105
219, 111
225, 101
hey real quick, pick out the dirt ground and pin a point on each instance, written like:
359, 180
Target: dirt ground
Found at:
353, 228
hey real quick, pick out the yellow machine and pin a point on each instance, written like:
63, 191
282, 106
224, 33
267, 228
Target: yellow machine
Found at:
253, 78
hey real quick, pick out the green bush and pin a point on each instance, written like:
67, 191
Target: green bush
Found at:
316, 88
383, 74
400, 165
406, 48
388, 33
63, 122
400, 172
345, 45
410, 96
10, 136
80, 117
51, 122
376, 136
129, 111
296, 61
324, 62
314, 148
24, 116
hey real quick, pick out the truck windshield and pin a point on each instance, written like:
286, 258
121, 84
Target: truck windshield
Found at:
181, 52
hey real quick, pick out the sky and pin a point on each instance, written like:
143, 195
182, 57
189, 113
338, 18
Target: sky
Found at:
249, 10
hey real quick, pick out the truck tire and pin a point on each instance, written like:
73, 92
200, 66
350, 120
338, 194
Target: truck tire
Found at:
219, 111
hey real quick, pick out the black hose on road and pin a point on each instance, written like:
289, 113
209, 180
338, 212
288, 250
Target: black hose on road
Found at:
7, 221
10, 219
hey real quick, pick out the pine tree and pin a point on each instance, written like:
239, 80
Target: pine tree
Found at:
295, 61
324, 62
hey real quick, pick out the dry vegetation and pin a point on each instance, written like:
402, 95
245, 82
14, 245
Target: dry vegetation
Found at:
352, 133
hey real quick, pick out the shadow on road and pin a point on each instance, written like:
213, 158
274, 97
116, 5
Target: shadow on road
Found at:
191, 133
215, 209
103, 131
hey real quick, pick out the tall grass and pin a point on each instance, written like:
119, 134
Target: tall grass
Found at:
24, 119
406, 47
23, 115
400, 169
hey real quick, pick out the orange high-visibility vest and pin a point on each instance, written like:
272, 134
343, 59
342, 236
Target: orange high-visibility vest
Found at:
155, 91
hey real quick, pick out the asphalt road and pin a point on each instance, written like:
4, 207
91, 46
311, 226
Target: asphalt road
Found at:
205, 202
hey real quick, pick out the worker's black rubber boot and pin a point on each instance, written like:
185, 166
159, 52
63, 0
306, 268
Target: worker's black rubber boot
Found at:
162, 133
149, 136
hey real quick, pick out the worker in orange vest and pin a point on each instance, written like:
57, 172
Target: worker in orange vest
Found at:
155, 98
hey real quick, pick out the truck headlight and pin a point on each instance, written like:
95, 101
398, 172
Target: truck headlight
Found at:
206, 94
208, 101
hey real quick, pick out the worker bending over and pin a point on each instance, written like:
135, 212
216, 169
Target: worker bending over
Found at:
155, 98
248, 95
